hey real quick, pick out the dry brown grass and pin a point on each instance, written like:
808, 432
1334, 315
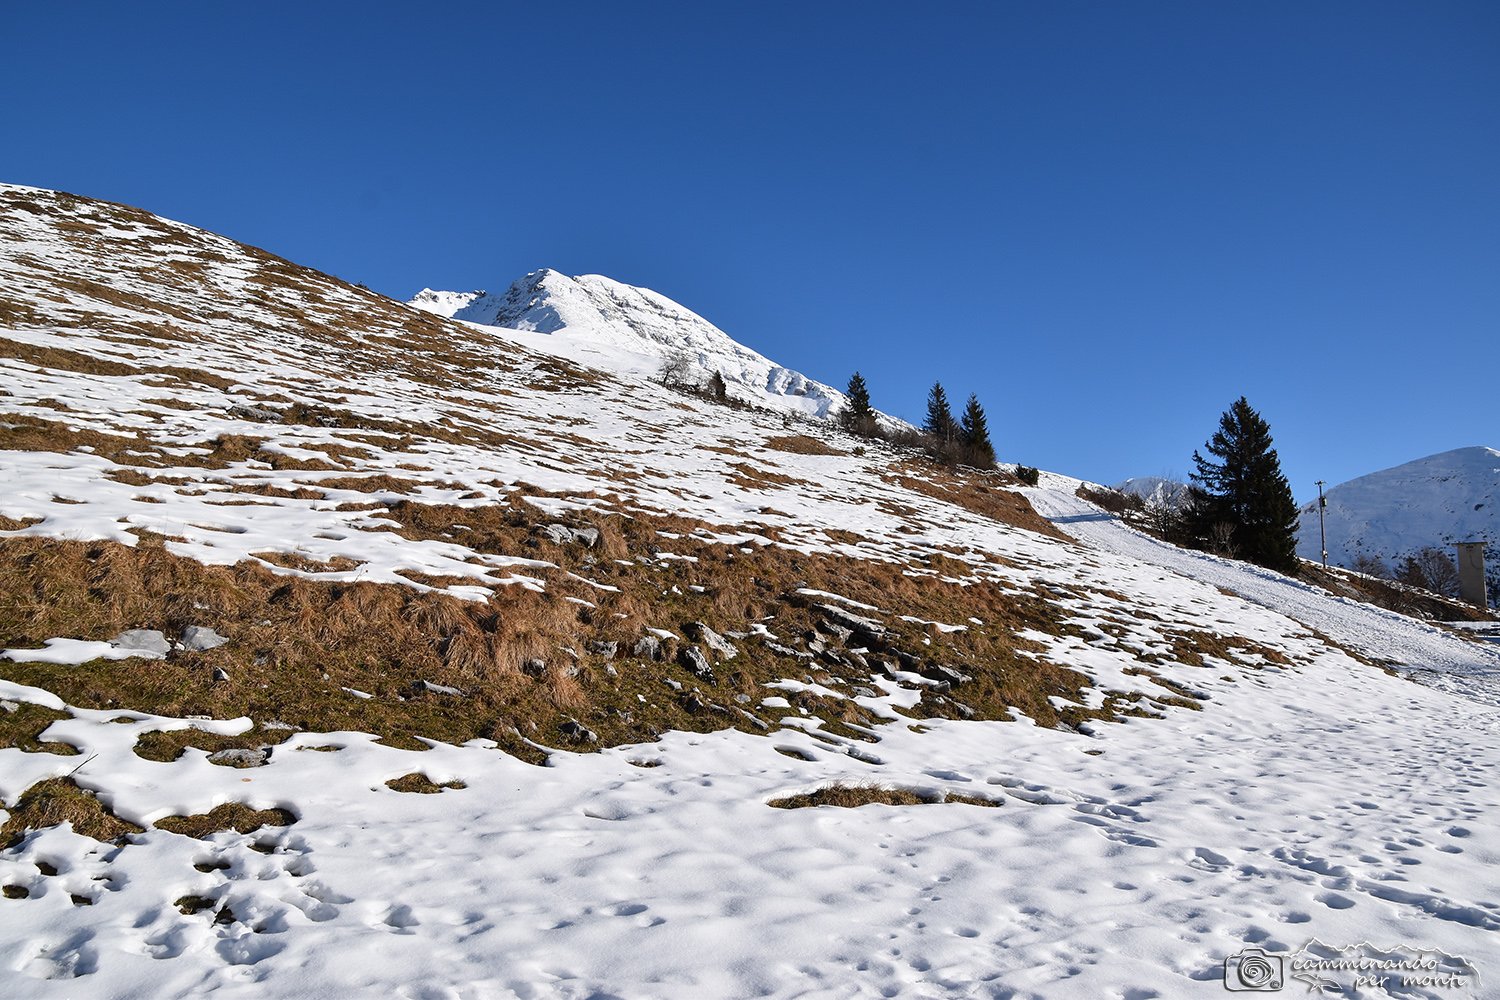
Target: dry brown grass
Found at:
21, 728
847, 796
419, 783
61, 800
61, 359
801, 444
229, 816
979, 493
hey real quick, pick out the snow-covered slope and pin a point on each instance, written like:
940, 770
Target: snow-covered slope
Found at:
620, 326
170, 398
1453, 496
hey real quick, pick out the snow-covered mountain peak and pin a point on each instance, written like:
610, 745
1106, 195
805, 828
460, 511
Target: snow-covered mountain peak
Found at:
443, 304
635, 328
1449, 497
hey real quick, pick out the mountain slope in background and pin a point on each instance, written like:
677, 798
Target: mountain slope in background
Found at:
1155, 490
640, 328
1453, 496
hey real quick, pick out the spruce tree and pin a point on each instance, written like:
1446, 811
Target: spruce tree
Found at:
1243, 500
974, 433
940, 423
858, 416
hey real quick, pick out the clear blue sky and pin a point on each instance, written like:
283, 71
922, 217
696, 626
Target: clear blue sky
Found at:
1107, 219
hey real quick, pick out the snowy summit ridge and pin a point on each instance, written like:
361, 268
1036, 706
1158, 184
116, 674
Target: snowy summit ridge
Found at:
635, 329
1453, 496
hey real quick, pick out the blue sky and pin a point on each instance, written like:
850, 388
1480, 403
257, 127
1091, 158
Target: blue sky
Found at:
1108, 220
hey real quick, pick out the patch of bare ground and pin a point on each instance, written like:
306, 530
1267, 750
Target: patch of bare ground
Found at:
981, 493
421, 784
575, 666
61, 359
230, 816
61, 800
852, 796
801, 444
753, 477
21, 728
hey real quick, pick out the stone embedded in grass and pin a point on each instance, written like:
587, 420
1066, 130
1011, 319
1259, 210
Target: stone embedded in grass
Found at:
713, 640
534, 668
693, 660
577, 732
427, 687
647, 647
607, 650
147, 642
198, 639
241, 757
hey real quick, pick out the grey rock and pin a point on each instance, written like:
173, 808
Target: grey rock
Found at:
940, 673
241, 757
692, 658
868, 629
257, 413
713, 640
220, 675
561, 534
692, 704
196, 639
604, 649
647, 647
609, 668
742, 699
9, 706
674, 685
864, 692
278, 724
144, 640
534, 668
781, 650
577, 732
837, 633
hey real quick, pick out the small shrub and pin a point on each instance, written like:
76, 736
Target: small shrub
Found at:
1028, 474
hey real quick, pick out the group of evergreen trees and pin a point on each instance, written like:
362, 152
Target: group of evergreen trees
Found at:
965, 441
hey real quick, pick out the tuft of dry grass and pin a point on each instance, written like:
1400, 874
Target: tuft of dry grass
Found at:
421, 784
61, 800
229, 816
851, 796
22, 727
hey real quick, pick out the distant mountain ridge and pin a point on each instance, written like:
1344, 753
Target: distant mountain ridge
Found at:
615, 318
1453, 496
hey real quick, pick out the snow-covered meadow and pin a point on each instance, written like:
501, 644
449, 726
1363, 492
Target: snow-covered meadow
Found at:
1313, 796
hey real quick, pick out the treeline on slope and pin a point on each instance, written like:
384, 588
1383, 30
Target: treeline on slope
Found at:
964, 440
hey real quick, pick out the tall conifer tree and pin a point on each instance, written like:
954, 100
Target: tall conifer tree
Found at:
940, 423
974, 433
1244, 495
858, 416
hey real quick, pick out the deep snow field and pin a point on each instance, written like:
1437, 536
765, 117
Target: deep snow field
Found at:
1322, 798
